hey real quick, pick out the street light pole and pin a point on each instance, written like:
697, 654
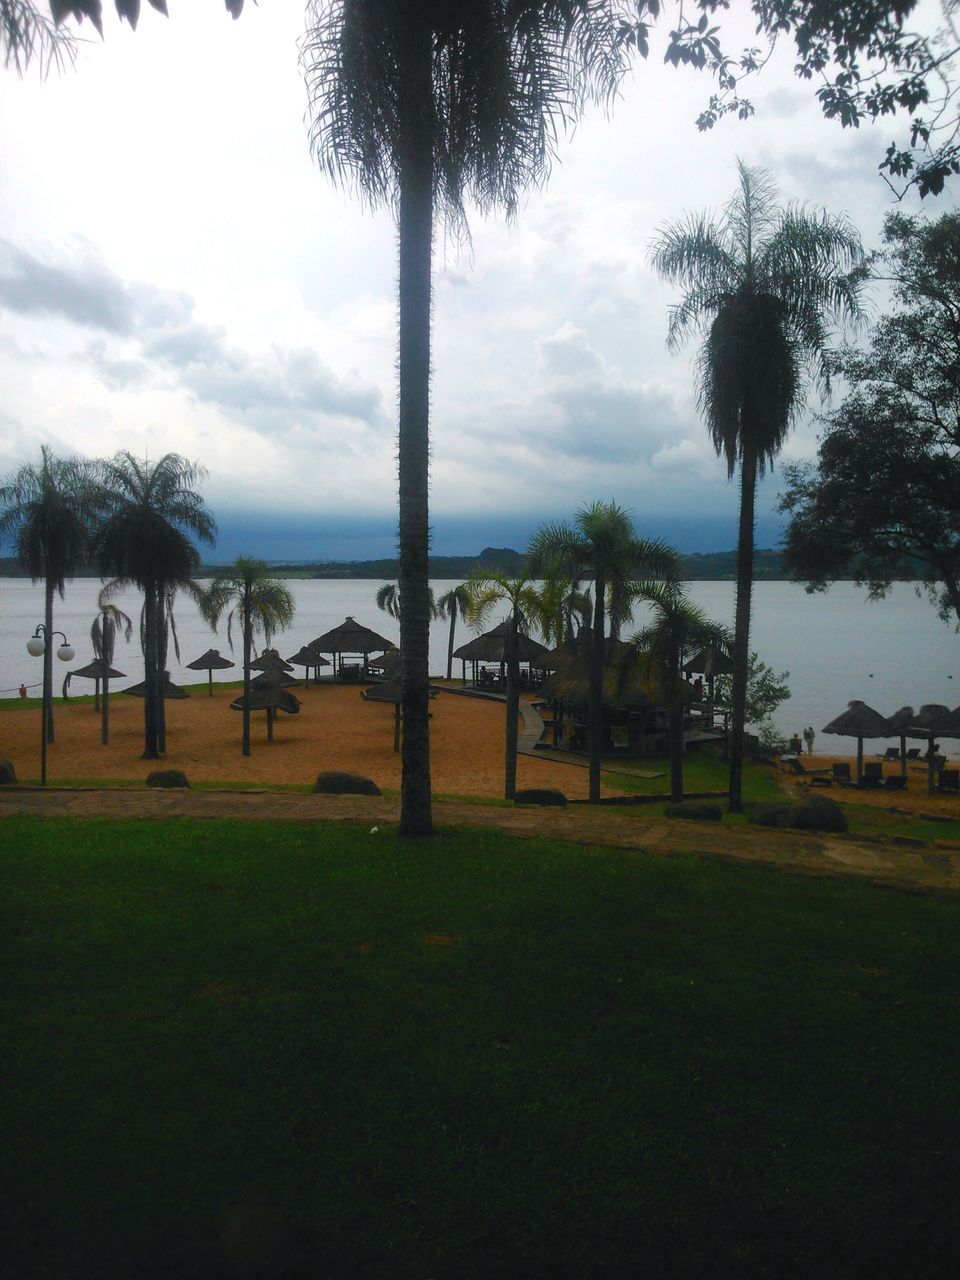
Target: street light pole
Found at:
36, 647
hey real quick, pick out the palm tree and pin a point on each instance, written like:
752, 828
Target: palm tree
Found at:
103, 636
678, 628
49, 511
762, 284
418, 103
261, 604
388, 599
601, 545
485, 590
453, 604
145, 540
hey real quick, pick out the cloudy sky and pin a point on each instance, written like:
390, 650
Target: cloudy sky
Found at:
177, 274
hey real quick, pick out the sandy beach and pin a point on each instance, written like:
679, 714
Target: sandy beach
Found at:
335, 729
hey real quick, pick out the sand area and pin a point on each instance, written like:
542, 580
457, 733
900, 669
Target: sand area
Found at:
335, 729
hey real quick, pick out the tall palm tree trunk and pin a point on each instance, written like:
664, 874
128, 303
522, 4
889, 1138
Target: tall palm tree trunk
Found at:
151, 749
595, 696
105, 711
162, 643
513, 707
48, 659
675, 713
453, 630
416, 237
741, 635
247, 646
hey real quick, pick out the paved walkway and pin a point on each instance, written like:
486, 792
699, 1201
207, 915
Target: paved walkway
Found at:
927, 867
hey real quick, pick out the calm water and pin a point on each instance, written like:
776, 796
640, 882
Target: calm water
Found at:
836, 646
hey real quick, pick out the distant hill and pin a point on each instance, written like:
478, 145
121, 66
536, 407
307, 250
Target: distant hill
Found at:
713, 566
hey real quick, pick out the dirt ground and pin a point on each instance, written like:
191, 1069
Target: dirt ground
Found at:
335, 729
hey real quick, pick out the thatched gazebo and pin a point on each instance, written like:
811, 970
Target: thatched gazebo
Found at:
390, 691
635, 701
210, 661
354, 640
270, 698
859, 721
491, 648
709, 663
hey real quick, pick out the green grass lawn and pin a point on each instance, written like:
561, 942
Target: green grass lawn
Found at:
234, 1049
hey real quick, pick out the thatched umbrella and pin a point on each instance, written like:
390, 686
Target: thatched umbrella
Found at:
351, 637
272, 678
269, 659
388, 664
390, 691
307, 658
210, 661
859, 721
899, 725
170, 690
96, 670
935, 721
270, 698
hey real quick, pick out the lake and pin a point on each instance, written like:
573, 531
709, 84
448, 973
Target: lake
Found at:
836, 646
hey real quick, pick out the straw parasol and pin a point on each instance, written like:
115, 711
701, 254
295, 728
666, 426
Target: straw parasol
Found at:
96, 670
307, 658
350, 637
388, 664
899, 725
935, 721
170, 690
272, 678
390, 691
270, 698
210, 661
269, 659
859, 721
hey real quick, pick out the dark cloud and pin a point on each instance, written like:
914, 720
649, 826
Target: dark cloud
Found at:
149, 334
84, 292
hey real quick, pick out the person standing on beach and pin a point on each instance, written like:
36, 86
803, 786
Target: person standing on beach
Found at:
808, 737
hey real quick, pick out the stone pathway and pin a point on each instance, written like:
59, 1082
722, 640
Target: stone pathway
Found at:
927, 867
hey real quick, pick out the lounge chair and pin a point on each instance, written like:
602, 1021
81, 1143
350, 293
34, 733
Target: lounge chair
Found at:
949, 780
913, 753
796, 765
896, 782
841, 772
872, 775
890, 756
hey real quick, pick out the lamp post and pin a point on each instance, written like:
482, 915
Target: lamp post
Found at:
36, 647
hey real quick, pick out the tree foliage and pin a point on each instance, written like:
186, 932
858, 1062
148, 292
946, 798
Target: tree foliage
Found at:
882, 500
762, 285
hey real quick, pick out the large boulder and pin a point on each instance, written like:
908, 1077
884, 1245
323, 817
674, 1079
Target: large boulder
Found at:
167, 778
819, 813
336, 783
540, 795
8, 774
694, 810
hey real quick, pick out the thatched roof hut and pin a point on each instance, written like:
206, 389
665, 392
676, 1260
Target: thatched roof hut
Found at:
491, 647
351, 638
636, 683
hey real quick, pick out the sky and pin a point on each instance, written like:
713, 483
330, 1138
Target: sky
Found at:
177, 274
